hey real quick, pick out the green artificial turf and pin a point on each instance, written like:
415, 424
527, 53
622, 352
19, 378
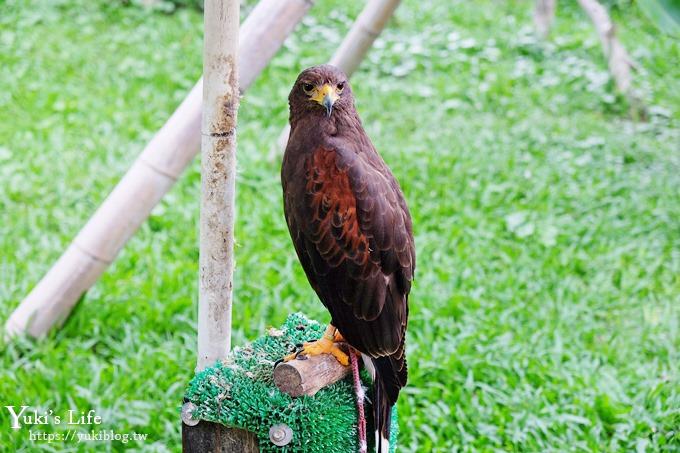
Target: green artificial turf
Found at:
545, 315
240, 392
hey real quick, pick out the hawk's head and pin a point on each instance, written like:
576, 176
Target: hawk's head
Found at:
320, 89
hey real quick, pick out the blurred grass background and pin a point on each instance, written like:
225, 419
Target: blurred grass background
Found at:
546, 309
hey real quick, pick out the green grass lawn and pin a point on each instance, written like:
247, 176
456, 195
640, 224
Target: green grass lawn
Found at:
546, 311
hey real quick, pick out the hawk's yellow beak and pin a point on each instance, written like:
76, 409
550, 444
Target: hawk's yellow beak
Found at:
326, 96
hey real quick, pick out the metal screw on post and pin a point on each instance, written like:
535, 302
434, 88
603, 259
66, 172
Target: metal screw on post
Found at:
187, 414
280, 435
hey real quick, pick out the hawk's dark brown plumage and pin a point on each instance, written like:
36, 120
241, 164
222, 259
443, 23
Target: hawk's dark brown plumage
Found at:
350, 226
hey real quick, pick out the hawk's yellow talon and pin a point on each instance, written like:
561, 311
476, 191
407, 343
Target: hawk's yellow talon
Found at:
290, 357
323, 346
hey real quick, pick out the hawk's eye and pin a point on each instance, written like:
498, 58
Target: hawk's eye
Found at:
341, 86
308, 87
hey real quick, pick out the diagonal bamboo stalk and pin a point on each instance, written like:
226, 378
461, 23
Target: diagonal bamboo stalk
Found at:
620, 63
150, 177
368, 26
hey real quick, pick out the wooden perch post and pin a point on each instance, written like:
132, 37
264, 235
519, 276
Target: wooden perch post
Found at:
150, 177
353, 49
215, 438
309, 375
620, 63
544, 14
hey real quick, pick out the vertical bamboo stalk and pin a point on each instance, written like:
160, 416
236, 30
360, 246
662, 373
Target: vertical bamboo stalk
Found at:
544, 14
367, 27
218, 174
150, 177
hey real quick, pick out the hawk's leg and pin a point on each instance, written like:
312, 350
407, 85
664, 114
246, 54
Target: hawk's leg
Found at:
325, 345
338, 338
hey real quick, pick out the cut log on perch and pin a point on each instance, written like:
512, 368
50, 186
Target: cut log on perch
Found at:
149, 178
353, 49
308, 375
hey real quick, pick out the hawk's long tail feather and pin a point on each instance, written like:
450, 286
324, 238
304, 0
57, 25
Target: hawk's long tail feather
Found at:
389, 376
382, 415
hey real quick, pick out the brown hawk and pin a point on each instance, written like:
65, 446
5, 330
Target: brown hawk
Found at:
352, 232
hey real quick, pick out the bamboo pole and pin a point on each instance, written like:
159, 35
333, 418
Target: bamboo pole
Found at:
367, 27
620, 63
150, 177
218, 175
544, 14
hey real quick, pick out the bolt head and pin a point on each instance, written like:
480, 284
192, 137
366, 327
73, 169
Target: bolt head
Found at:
280, 434
187, 411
